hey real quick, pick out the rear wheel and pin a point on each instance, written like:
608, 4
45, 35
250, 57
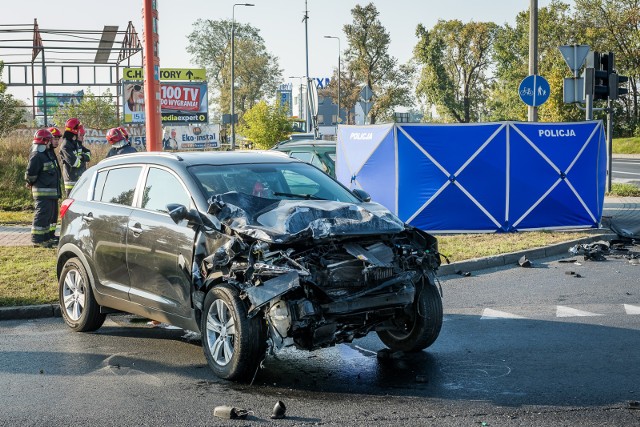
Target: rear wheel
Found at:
417, 329
233, 344
79, 308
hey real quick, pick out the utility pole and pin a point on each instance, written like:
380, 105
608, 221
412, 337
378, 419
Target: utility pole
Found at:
533, 52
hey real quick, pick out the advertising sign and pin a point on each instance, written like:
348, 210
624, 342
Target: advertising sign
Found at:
55, 100
190, 137
180, 102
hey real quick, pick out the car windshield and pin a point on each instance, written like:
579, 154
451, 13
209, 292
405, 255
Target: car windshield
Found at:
291, 181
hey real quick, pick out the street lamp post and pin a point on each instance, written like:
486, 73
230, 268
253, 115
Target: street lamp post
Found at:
233, 70
337, 38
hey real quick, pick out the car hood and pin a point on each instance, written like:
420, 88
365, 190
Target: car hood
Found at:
283, 221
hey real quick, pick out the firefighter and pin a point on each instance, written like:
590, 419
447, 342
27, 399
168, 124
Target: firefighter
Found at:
74, 155
119, 143
43, 177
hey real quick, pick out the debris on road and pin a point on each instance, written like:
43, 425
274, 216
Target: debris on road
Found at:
524, 261
230, 413
278, 410
463, 273
572, 273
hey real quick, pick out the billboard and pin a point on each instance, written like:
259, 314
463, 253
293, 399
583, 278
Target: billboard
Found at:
55, 100
198, 137
180, 102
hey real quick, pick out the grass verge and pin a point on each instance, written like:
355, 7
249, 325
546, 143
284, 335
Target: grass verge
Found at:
626, 145
27, 275
623, 190
16, 217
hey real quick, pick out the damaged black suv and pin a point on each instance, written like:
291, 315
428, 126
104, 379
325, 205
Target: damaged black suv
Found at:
255, 250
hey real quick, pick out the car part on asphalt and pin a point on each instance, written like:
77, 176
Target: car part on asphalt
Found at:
278, 410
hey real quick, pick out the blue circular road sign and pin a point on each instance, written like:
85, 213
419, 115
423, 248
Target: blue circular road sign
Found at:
534, 90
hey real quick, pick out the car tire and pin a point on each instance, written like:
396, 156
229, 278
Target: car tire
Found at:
233, 344
420, 329
79, 308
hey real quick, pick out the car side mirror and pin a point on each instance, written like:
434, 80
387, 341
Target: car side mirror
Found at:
361, 194
180, 212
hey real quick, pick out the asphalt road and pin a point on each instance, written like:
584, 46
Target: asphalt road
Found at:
519, 346
626, 170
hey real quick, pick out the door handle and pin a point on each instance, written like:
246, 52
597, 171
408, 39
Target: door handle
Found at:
88, 217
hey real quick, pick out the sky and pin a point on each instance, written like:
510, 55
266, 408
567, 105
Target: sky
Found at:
279, 21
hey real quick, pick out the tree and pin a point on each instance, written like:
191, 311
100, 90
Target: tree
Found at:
367, 57
511, 57
257, 73
12, 111
96, 112
455, 59
614, 26
265, 124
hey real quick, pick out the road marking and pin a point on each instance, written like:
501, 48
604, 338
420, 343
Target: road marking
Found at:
563, 311
632, 309
489, 314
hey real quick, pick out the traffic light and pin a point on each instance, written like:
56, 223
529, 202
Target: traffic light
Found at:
603, 64
615, 90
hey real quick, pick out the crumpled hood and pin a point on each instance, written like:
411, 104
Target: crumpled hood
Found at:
281, 221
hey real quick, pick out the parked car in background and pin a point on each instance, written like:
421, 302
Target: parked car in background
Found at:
256, 250
318, 152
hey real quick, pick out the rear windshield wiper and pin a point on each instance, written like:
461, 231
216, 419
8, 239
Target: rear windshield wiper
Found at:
298, 196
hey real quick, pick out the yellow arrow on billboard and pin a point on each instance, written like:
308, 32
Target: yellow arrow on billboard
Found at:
167, 74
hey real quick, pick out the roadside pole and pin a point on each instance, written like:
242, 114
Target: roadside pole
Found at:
609, 143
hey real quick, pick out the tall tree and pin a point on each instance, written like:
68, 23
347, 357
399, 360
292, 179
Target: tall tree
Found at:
511, 58
614, 26
455, 59
367, 57
257, 73
265, 125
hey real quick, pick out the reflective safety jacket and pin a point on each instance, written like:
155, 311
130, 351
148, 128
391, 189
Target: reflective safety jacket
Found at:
74, 161
43, 173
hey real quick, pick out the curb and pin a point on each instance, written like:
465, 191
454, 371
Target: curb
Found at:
508, 259
511, 258
30, 312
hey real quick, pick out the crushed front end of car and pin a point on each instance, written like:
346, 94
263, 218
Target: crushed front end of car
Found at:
318, 273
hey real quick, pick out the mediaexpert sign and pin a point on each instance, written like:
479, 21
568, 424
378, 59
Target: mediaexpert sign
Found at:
180, 102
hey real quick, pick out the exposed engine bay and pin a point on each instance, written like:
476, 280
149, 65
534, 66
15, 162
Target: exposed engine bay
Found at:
319, 272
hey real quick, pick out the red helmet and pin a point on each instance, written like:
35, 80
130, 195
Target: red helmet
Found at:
72, 125
42, 137
80, 130
124, 131
114, 135
55, 132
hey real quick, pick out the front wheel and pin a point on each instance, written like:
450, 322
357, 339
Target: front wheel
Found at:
78, 306
233, 344
419, 328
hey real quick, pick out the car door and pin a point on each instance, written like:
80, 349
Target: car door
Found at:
159, 251
105, 220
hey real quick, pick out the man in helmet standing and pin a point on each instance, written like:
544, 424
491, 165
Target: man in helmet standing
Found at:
43, 177
74, 155
119, 143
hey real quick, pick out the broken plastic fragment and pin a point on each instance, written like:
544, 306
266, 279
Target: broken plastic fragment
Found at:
524, 261
278, 410
230, 413
463, 273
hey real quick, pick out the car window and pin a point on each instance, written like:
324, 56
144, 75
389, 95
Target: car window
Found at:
305, 156
81, 189
162, 188
117, 185
277, 181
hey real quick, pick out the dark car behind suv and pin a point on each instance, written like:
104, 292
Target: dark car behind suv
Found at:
255, 250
